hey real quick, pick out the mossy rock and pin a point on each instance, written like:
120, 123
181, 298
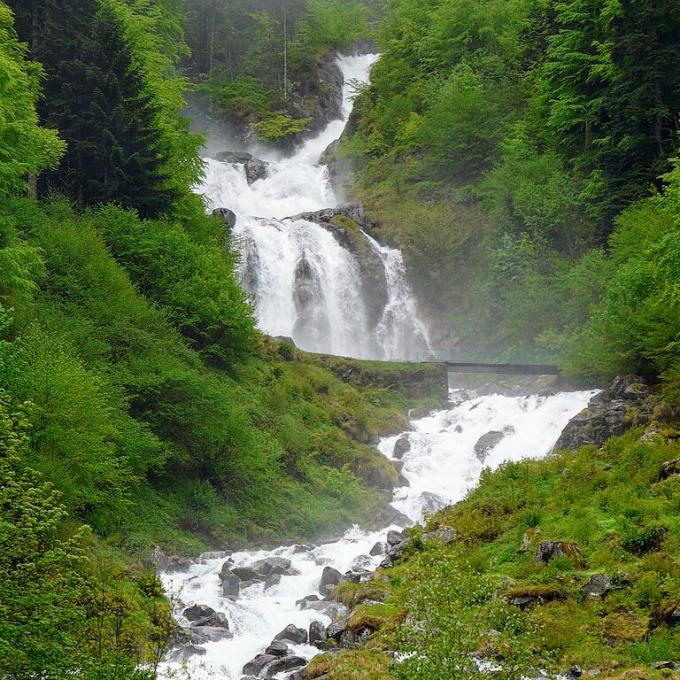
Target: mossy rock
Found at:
622, 626
352, 664
360, 619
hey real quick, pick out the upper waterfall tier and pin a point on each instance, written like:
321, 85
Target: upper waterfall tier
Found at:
306, 283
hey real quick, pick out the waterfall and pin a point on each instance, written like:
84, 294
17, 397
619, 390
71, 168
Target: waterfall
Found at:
304, 282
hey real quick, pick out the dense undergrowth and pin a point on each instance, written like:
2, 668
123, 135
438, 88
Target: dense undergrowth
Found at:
488, 594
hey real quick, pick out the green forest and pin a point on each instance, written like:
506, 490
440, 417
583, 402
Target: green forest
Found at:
523, 154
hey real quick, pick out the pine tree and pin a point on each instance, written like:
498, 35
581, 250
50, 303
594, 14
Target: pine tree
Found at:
97, 98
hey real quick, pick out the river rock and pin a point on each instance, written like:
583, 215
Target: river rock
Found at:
393, 554
248, 574
231, 586
389, 515
317, 632
203, 615
605, 415
205, 634
401, 447
363, 562
274, 565
380, 548
272, 580
330, 577
356, 575
227, 216
333, 610
256, 170
287, 663
177, 564
256, 665
394, 538
235, 157
487, 443
302, 603
277, 648
292, 633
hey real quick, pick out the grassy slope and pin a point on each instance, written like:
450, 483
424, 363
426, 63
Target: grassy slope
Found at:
277, 446
611, 503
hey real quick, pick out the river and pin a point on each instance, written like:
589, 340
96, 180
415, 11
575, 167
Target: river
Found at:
441, 465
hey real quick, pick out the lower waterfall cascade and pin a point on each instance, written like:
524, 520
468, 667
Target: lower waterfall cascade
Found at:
441, 466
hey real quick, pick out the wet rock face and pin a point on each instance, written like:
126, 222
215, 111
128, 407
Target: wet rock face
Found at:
345, 222
606, 414
254, 168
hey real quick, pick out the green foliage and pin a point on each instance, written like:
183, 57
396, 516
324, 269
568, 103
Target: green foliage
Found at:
25, 148
279, 126
57, 618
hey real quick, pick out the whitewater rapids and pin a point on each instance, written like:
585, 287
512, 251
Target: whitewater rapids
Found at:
441, 467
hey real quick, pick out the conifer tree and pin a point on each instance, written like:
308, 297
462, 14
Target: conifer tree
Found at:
97, 98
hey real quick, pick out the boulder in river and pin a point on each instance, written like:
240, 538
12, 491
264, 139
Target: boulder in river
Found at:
292, 633
274, 565
248, 574
256, 170
277, 648
487, 443
401, 447
330, 577
203, 615
256, 665
380, 548
231, 586
286, 663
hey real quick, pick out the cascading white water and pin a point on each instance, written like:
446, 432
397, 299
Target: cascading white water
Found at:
304, 283
441, 466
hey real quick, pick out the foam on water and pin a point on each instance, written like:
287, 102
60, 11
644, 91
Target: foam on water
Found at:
441, 466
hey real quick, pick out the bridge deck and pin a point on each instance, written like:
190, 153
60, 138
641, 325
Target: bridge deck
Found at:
511, 369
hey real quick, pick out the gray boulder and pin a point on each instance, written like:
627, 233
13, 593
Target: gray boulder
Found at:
203, 615
380, 548
256, 170
273, 565
487, 443
394, 537
401, 447
255, 666
248, 574
292, 633
272, 580
277, 648
286, 663
231, 586
235, 157
597, 587
330, 577
317, 633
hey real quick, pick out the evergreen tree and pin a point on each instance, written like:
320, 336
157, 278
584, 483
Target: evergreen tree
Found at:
97, 97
